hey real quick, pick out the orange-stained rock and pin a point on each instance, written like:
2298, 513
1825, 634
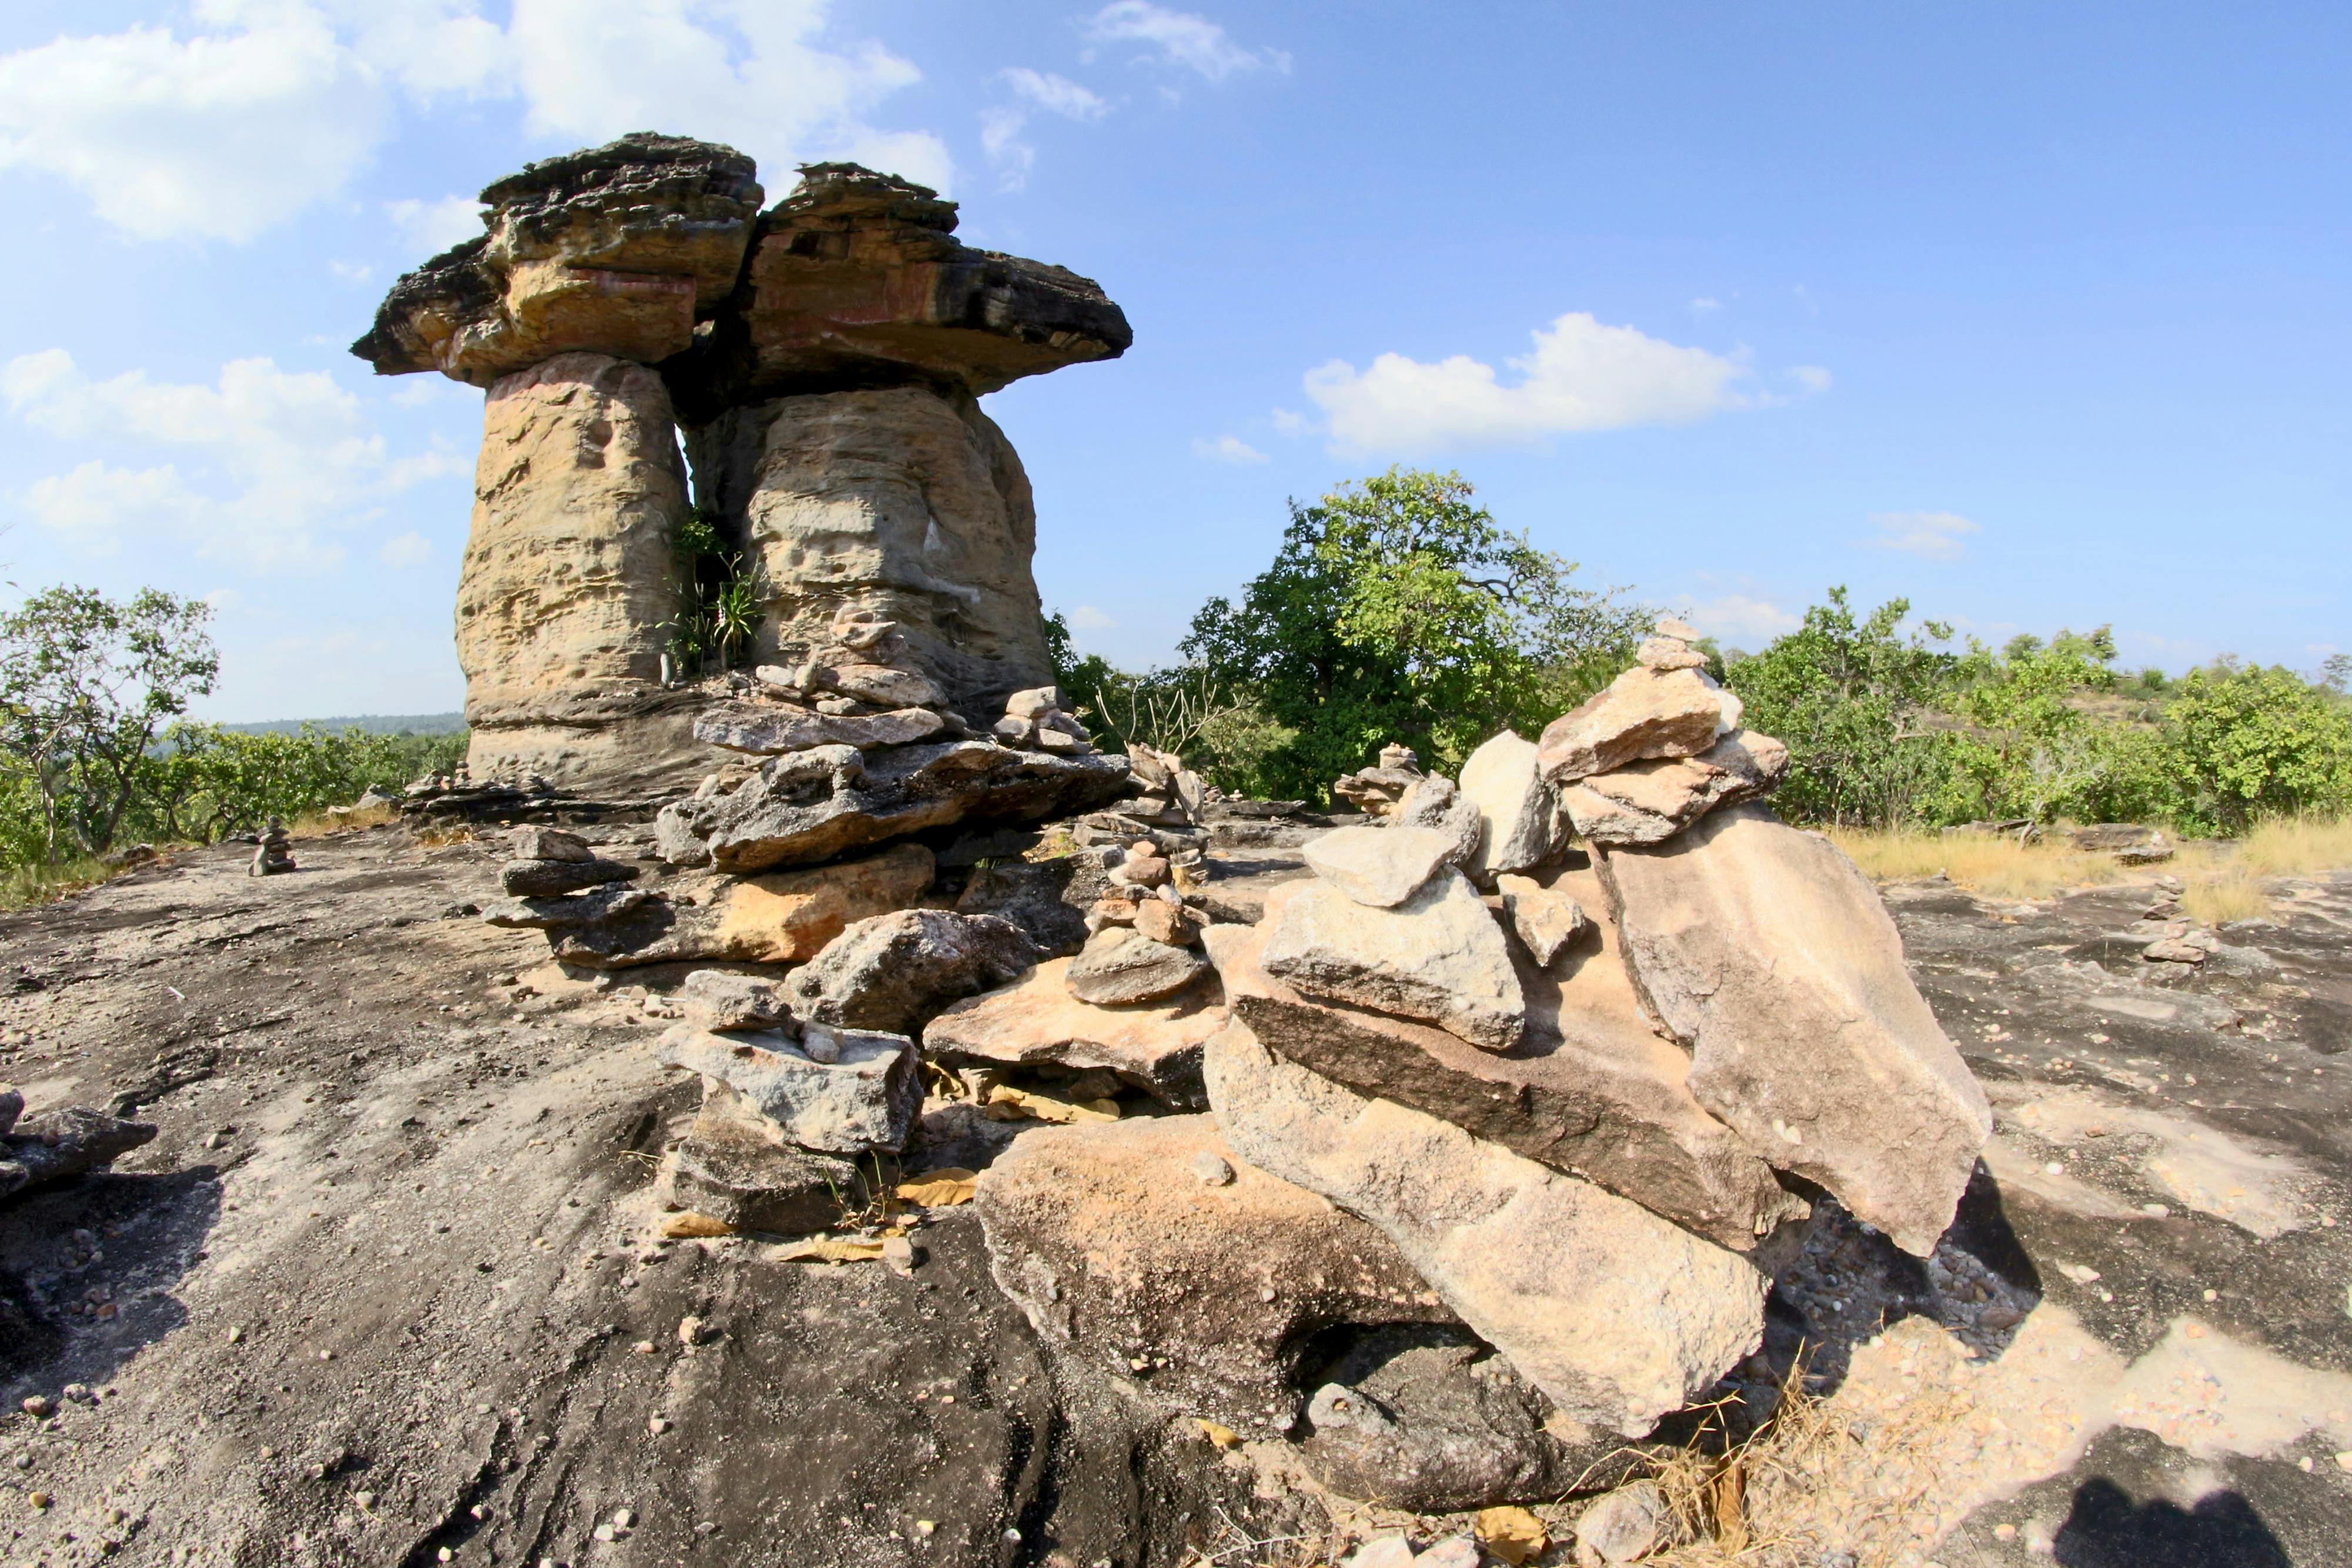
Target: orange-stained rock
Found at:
1156, 1046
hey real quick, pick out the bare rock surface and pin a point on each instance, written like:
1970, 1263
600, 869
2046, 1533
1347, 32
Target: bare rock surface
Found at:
1154, 1045
767, 731
1521, 822
567, 586
1380, 867
719, 999
815, 805
1546, 920
545, 879
1589, 1089
839, 1092
1765, 950
1118, 1254
893, 971
1434, 803
1615, 1314
1119, 967
1642, 714
1438, 956
61, 1143
1648, 802
735, 1171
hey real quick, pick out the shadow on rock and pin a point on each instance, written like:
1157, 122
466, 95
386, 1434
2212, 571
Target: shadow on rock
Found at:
87, 1266
2108, 1530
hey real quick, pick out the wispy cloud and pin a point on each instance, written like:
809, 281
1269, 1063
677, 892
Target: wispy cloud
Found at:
1179, 40
1001, 125
430, 227
1742, 618
1086, 618
1703, 306
1055, 94
1228, 449
406, 549
1932, 535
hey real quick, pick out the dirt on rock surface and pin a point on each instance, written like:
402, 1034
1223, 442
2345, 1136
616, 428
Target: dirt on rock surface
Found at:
389, 1287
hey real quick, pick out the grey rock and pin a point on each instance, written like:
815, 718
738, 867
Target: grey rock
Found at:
1617, 1315
1626, 1525
1039, 896
1766, 952
1643, 712
1380, 867
546, 879
534, 844
595, 907
863, 1099
894, 971
1546, 921
12, 1106
718, 999
907, 690
64, 1143
1119, 967
1521, 821
1434, 803
773, 730
730, 1167
1438, 956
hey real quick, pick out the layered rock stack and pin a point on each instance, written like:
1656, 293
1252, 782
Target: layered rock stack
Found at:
274, 854
824, 358
1576, 1045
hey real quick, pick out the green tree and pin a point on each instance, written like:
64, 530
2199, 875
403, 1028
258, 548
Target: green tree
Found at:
86, 683
1861, 707
2252, 742
1398, 609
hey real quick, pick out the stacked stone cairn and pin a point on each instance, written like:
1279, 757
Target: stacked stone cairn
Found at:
1520, 1103
274, 857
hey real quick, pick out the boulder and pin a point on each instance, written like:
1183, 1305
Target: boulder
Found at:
843, 1091
1425, 1417
777, 917
772, 729
1155, 1046
1545, 920
1643, 712
1649, 802
612, 250
1121, 966
567, 589
1435, 804
68, 1142
1617, 1315
722, 1000
1204, 1297
1438, 956
1520, 821
893, 971
1770, 955
533, 843
816, 805
1589, 1090
544, 879
732, 1167
856, 279
1036, 897
1380, 867
1166, 920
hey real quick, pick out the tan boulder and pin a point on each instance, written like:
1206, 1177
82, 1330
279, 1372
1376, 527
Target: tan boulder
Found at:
1650, 802
1642, 714
1521, 824
1591, 1089
1155, 1046
1614, 1313
1766, 951
897, 502
780, 917
1204, 1296
1438, 956
568, 579
1380, 867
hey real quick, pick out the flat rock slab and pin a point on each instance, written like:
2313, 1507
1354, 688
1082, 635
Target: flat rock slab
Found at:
1643, 712
1156, 1046
1773, 956
774, 729
1380, 867
1119, 1253
716, 1000
1120, 968
893, 971
864, 1099
730, 1169
1589, 1089
780, 917
1650, 802
543, 879
1438, 958
1616, 1314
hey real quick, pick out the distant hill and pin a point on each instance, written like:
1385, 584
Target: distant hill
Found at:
373, 723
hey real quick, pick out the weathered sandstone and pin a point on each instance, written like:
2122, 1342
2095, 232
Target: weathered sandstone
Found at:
1649, 802
1155, 1046
1438, 956
1642, 714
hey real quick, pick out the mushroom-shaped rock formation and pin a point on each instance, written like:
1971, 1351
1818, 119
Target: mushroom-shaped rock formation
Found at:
825, 357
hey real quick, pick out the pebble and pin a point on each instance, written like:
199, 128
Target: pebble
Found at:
657, 1424
1213, 1168
624, 1518
692, 1331
37, 1406
642, 1347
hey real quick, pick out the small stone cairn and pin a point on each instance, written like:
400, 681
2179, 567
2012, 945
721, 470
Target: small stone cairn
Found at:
276, 855
1375, 791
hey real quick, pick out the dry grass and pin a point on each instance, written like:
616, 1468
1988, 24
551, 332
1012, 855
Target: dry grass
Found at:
318, 824
2297, 846
22, 887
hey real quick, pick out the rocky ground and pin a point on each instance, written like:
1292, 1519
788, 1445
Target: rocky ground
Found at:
388, 1286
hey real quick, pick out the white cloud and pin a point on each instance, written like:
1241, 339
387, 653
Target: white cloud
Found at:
999, 138
1936, 536
410, 548
1228, 449
1055, 94
269, 106
351, 271
282, 459
1703, 306
430, 227
1581, 376
1290, 422
1086, 618
1179, 40
1740, 619
1813, 379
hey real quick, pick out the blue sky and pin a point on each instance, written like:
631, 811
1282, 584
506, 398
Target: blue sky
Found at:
2034, 314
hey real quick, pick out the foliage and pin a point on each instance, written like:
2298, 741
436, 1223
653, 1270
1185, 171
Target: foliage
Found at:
84, 684
718, 595
206, 783
2251, 742
1397, 609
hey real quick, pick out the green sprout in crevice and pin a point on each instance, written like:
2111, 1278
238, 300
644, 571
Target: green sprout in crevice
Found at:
718, 609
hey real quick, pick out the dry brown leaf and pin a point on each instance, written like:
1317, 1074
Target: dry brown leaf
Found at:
939, 1188
1222, 1436
681, 1225
827, 1250
1728, 1498
1045, 1108
1513, 1534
